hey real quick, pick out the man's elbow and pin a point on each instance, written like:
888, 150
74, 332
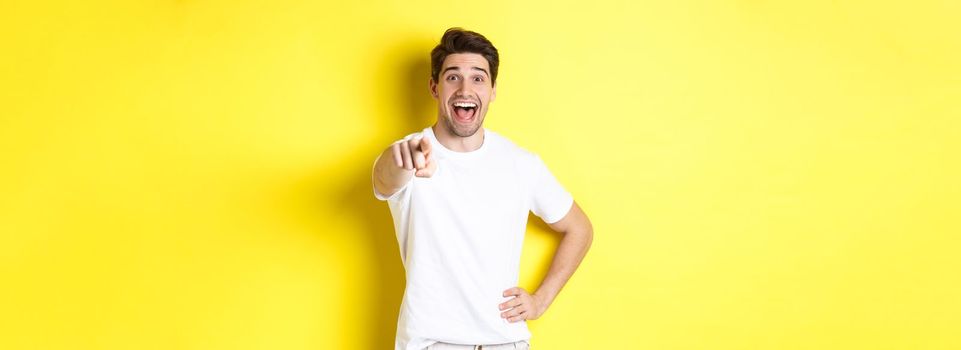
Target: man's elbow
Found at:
586, 232
590, 234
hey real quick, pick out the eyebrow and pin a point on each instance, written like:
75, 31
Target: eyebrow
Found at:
458, 68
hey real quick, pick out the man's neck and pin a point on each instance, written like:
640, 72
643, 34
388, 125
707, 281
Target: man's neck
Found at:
456, 143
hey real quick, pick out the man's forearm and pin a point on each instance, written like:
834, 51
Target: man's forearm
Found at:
388, 177
567, 258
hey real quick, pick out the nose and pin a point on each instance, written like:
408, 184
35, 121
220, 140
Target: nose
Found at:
464, 95
463, 90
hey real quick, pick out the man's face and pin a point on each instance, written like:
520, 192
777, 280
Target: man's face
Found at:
463, 93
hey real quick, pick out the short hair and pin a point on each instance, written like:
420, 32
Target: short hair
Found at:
458, 40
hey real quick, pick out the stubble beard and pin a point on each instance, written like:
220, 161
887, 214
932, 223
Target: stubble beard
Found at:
463, 130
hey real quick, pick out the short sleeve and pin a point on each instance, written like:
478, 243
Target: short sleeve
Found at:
393, 196
548, 199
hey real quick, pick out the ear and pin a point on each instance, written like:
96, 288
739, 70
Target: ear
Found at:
433, 88
493, 92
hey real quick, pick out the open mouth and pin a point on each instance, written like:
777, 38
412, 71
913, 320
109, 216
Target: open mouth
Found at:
464, 111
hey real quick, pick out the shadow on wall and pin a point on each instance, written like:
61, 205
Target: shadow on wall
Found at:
538, 228
412, 64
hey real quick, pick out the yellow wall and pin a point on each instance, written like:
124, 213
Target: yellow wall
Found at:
761, 175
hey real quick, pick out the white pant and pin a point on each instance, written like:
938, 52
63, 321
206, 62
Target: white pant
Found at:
523, 344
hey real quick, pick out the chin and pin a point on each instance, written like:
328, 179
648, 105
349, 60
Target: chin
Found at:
462, 130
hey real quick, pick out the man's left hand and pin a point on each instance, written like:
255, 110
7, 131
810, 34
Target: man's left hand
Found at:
523, 306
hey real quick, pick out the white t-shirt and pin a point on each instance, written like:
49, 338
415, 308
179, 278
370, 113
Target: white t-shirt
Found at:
460, 234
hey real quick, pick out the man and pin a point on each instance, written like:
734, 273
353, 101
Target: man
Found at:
460, 195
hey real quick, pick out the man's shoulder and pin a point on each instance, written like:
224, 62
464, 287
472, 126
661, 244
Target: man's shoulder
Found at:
509, 147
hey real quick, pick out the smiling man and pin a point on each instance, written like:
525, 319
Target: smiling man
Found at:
460, 195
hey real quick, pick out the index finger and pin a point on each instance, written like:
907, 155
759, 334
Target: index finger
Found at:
425, 145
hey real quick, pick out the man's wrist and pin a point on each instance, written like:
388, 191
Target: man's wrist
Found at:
546, 296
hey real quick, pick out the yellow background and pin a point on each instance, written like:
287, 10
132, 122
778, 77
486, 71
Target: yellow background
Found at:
760, 175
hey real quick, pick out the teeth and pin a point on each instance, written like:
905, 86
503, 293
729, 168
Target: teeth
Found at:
465, 105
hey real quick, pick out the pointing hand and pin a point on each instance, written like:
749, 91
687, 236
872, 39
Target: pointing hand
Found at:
414, 154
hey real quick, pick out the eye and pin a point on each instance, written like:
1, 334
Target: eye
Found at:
479, 79
452, 77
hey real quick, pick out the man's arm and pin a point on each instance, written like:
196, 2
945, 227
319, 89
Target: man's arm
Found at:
578, 235
399, 162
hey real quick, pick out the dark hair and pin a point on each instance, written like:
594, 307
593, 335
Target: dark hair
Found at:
457, 40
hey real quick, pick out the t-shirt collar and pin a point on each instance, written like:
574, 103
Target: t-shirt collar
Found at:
439, 147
